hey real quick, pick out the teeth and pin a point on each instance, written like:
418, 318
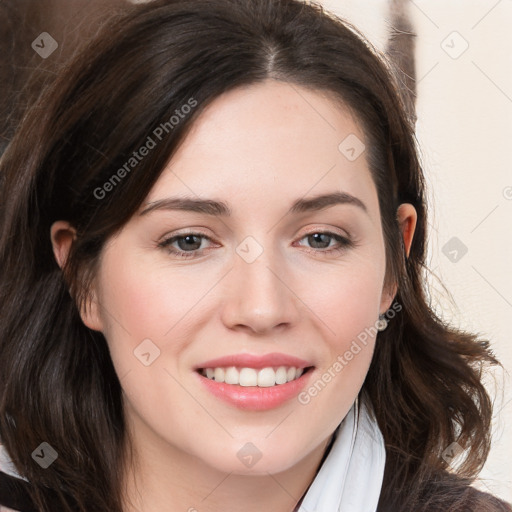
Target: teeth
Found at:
231, 376
291, 374
264, 378
281, 375
247, 377
218, 374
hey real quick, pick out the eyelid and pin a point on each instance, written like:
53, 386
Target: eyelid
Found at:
183, 232
328, 230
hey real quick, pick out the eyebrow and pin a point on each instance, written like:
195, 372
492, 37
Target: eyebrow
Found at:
219, 208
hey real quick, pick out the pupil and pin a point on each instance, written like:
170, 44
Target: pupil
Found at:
188, 238
316, 238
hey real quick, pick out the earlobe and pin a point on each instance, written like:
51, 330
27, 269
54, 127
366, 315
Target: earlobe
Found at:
387, 299
62, 236
407, 217
90, 315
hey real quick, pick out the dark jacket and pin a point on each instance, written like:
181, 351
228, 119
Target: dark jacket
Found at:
14, 494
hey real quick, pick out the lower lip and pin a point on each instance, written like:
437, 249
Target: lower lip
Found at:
255, 398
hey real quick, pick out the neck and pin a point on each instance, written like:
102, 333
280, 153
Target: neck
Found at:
163, 477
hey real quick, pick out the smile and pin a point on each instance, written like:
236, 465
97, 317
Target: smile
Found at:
263, 378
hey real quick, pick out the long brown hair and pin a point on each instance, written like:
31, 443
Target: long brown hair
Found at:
58, 384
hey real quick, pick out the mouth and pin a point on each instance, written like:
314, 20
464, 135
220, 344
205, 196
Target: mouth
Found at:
254, 381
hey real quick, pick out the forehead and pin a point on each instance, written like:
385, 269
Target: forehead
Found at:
269, 141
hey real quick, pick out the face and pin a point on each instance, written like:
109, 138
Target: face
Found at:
270, 285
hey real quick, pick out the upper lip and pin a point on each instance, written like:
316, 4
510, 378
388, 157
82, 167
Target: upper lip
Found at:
255, 361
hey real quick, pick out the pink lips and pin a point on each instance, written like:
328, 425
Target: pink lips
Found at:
253, 397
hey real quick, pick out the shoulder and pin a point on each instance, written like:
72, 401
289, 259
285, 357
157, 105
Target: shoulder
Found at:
441, 491
476, 500
458, 495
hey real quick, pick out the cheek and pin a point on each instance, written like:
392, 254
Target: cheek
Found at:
145, 300
346, 299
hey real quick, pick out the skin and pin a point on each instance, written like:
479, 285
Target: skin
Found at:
257, 149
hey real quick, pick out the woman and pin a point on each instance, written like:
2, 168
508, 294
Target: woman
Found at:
286, 360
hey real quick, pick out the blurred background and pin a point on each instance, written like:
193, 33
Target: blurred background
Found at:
456, 62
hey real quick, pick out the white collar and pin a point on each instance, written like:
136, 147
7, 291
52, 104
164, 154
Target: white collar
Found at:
6, 465
350, 479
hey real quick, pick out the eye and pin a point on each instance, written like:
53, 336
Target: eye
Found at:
321, 242
188, 244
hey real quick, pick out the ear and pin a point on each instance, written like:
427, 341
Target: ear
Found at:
406, 217
62, 235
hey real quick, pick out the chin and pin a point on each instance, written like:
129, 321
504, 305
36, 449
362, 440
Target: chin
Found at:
248, 459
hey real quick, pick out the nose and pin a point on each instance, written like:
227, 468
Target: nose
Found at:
260, 295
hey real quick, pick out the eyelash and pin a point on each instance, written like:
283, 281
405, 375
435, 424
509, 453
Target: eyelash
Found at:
166, 244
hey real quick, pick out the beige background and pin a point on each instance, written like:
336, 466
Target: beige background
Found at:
465, 132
